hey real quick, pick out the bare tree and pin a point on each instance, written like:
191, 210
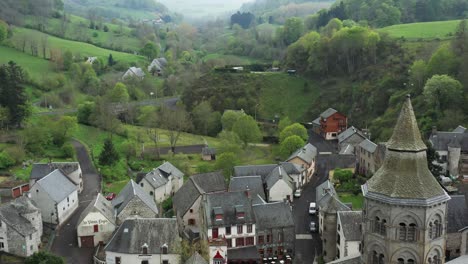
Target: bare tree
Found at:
175, 121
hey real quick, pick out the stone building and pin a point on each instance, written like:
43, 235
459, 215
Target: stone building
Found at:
20, 227
405, 208
365, 155
348, 240
70, 169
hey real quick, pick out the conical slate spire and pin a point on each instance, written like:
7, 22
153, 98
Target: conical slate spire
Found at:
406, 135
404, 173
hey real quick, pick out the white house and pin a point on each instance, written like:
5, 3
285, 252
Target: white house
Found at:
91, 60
70, 169
96, 223
348, 228
279, 185
134, 72
56, 196
20, 227
305, 157
162, 182
145, 241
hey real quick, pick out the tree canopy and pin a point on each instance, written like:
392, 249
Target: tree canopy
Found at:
247, 129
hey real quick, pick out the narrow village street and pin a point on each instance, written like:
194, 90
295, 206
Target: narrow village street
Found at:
65, 243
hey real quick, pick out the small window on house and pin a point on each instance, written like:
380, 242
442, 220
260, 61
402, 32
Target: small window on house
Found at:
96, 228
191, 210
268, 238
118, 260
164, 249
261, 239
249, 241
249, 228
240, 229
151, 193
141, 184
145, 249
228, 230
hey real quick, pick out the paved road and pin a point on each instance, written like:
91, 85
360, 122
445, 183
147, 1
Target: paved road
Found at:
65, 243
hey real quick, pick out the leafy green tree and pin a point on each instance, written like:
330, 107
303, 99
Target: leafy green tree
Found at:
294, 129
43, 257
226, 163
247, 129
12, 95
290, 144
443, 92
443, 61
418, 75
292, 30
36, 138
205, 121
230, 117
84, 112
3, 30
333, 26
67, 60
283, 123
109, 155
63, 129
119, 94
230, 142
176, 122
150, 50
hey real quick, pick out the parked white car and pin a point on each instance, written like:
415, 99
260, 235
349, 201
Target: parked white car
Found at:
312, 226
312, 208
297, 193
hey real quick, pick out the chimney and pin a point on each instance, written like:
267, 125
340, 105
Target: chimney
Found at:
247, 192
280, 174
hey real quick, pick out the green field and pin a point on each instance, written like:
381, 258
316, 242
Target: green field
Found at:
36, 67
426, 30
84, 49
356, 200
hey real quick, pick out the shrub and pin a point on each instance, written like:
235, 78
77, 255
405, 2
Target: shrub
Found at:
5, 160
17, 153
167, 204
68, 150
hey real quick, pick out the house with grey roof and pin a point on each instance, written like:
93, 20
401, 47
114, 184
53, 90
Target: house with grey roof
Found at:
252, 184
329, 124
70, 169
305, 157
279, 186
452, 149
186, 201
350, 137
20, 227
162, 182
348, 241
366, 157
96, 223
133, 201
157, 66
208, 153
134, 72
56, 196
196, 258
457, 222
275, 230
149, 240
227, 221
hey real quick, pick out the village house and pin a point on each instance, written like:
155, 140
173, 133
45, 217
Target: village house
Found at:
275, 230
134, 72
96, 223
279, 185
56, 196
253, 184
330, 123
196, 258
70, 169
20, 227
162, 182
157, 66
227, 220
91, 60
348, 241
305, 157
208, 153
457, 221
145, 241
13, 188
295, 171
186, 201
365, 155
350, 139
133, 201
452, 149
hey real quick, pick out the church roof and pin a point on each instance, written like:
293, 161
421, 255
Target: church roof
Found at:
404, 173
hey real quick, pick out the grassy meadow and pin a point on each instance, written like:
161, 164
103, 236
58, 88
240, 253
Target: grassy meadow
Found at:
36, 67
426, 30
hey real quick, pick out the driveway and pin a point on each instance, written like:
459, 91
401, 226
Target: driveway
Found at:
65, 243
321, 144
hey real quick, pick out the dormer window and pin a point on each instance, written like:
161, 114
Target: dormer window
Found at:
240, 212
144, 249
164, 249
218, 212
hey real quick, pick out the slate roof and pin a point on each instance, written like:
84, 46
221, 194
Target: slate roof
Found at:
170, 169
351, 224
348, 149
332, 204
208, 151
159, 176
227, 202
323, 189
196, 259
316, 121
457, 215
368, 145
158, 63
11, 212
347, 260
195, 186
459, 129
134, 71
292, 168
102, 205
154, 232
348, 133
404, 173
306, 153
277, 174
130, 191
254, 170
243, 253
253, 183
273, 215
327, 113
440, 140
57, 185
40, 170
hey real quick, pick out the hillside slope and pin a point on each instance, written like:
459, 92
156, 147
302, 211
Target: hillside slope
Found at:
424, 30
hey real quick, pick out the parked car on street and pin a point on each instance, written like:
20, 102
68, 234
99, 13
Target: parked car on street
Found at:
312, 227
297, 193
110, 196
312, 208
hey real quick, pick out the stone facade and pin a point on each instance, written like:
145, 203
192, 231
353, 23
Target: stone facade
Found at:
135, 207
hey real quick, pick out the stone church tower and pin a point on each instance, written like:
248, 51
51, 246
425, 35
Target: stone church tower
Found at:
405, 208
